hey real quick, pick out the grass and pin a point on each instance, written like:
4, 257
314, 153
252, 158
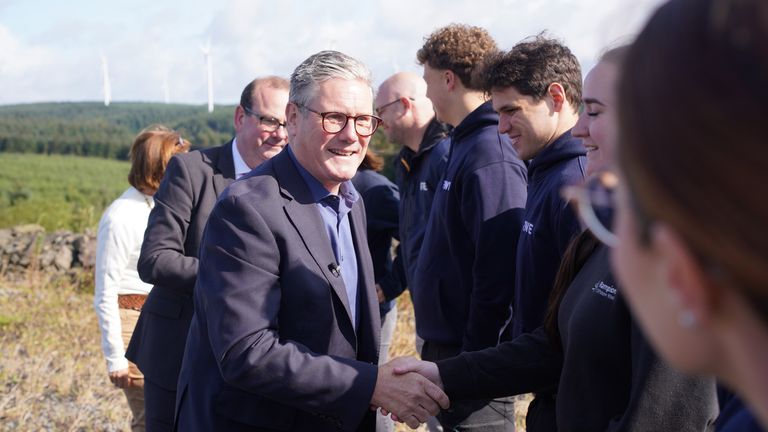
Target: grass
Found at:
58, 192
52, 373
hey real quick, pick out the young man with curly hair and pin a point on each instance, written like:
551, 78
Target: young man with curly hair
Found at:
464, 274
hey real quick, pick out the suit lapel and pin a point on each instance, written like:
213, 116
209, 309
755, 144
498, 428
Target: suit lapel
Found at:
305, 218
226, 167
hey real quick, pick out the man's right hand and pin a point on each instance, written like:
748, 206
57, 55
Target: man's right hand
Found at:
404, 365
120, 378
408, 396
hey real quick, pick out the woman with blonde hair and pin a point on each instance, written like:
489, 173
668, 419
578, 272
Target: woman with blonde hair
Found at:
119, 293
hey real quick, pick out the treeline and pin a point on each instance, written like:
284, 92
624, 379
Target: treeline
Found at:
91, 129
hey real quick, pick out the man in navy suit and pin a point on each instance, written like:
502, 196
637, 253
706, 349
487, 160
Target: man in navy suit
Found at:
169, 253
285, 334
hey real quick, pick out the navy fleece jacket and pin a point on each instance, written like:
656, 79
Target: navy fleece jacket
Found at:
465, 271
550, 224
418, 176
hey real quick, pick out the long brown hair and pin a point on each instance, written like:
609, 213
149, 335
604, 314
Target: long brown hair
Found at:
693, 145
372, 161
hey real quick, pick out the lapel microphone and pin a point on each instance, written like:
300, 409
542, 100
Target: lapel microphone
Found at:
335, 269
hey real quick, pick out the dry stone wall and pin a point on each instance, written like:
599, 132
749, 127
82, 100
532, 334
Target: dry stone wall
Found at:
28, 248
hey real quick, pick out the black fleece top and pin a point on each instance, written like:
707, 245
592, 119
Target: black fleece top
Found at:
607, 376
550, 224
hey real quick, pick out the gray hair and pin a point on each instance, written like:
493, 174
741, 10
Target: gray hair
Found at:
321, 67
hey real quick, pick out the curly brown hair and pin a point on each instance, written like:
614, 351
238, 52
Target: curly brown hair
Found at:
459, 48
530, 67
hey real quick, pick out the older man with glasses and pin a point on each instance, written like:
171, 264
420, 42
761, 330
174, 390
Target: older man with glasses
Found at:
408, 119
286, 327
169, 254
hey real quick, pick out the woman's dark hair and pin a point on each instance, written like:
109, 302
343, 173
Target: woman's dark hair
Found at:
372, 161
693, 139
577, 253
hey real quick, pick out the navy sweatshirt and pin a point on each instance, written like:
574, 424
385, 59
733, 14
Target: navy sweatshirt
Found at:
608, 377
550, 224
465, 271
417, 175
381, 200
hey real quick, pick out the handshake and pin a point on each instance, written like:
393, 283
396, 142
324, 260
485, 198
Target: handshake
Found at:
410, 389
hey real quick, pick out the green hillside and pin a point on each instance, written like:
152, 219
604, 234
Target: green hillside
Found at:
44, 178
91, 129
56, 191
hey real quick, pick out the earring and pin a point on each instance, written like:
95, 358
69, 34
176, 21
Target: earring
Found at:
687, 319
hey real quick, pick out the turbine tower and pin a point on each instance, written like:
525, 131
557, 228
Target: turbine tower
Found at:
207, 53
107, 86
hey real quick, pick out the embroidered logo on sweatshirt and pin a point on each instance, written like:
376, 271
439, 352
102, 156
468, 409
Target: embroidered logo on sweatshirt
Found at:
603, 289
423, 187
528, 228
446, 185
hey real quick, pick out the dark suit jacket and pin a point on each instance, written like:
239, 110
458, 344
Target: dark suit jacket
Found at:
190, 187
272, 345
382, 203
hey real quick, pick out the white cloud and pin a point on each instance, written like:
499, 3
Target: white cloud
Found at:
31, 72
146, 40
18, 58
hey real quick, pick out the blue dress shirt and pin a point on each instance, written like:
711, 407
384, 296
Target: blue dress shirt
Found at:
334, 211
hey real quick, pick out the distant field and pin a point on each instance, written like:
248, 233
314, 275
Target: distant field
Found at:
58, 192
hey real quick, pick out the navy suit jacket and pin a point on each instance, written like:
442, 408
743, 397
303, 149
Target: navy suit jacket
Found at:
190, 187
272, 345
382, 201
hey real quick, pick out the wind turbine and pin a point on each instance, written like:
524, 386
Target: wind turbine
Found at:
207, 53
107, 86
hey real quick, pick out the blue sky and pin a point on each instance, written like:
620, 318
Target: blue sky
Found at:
51, 50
